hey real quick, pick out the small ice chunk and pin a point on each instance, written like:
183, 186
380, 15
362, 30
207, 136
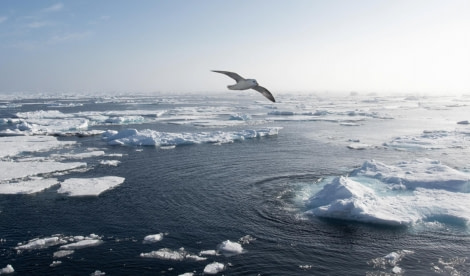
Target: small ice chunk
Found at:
396, 270
81, 244
62, 253
114, 163
41, 243
55, 263
153, 238
7, 270
214, 268
208, 253
89, 186
358, 146
230, 248
27, 187
166, 254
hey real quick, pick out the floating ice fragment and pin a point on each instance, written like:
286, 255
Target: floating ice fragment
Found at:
166, 254
214, 268
97, 273
27, 186
62, 253
55, 263
7, 270
230, 248
133, 137
41, 243
114, 163
16, 170
89, 186
81, 244
153, 238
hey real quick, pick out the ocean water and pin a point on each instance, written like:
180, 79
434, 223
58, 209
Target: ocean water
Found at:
236, 185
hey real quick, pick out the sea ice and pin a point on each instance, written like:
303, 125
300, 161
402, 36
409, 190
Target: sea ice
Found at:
428, 191
16, 170
27, 186
12, 146
114, 163
166, 254
89, 186
214, 268
62, 253
153, 238
230, 248
7, 270
133, 137
41, 243
81, 244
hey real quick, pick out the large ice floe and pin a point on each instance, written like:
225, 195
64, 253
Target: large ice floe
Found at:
402, 194
133, 137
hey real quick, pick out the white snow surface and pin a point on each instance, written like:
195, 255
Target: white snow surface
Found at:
153, 238
89, 186
230, 248
404, 194
214, 268
15, 145
133, 137
16, 170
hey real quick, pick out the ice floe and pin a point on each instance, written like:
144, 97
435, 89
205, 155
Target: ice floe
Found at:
174, 255
89, 186
214, 268
431, 140
27, 186
16, 170
153, 238
68, 243
390, 261
229, 248
7, 270
404, 194
12, 146
133, 137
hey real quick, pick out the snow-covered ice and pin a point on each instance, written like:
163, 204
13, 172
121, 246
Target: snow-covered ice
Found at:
230, 248
16, 170
81, 244
174, 255
89, 186
407, 193
153, 238
12, 146
133, 137
214, 268
7, 269
27, 186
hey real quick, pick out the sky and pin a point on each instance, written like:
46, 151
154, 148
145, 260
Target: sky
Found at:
289, 46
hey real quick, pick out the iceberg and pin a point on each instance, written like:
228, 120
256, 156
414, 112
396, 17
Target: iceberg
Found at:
402, 195
89, 186
133, 137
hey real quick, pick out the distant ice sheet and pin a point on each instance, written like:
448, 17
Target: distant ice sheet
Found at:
407, 193
89, 186
133, 137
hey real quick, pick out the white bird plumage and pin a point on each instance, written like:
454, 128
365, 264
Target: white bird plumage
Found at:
244, 84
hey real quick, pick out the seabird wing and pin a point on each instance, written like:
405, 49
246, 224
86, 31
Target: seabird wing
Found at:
265, 93
234, 76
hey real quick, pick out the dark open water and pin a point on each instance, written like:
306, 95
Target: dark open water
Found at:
203, 194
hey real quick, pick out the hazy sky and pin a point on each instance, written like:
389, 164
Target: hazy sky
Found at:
287, 45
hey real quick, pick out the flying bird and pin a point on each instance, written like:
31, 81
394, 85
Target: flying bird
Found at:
244, 84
